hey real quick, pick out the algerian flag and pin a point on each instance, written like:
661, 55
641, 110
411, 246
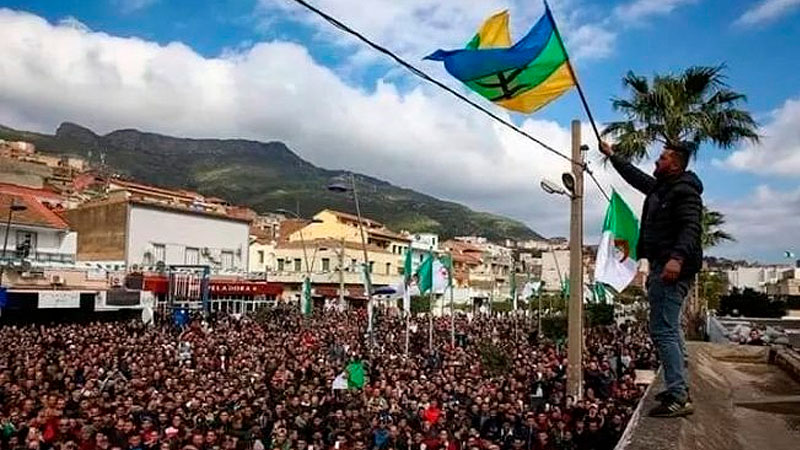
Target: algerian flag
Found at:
441, 274
425, 274
306, 297
788, 254
355, 375
514, 289
616, 254
407, 268
365, 278
531, 288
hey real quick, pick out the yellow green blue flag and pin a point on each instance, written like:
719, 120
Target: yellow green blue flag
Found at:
522, 77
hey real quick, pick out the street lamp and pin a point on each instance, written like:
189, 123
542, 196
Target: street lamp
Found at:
573, 188
340, 185
295, 215
14, 207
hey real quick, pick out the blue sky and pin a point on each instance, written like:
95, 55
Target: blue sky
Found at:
265, 69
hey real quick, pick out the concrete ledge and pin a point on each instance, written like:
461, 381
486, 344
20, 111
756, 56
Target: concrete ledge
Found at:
788, 360
741, 403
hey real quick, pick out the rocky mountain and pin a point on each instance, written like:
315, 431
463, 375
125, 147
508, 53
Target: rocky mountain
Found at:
265, 176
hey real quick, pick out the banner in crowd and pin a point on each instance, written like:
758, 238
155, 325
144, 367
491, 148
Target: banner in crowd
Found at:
59, 299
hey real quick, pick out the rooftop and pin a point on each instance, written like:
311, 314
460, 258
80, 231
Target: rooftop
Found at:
35, 214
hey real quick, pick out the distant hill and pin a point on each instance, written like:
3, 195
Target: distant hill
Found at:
265, 176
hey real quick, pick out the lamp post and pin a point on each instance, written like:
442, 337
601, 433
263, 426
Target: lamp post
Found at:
12, 208
573, 188
339, 186
295, 215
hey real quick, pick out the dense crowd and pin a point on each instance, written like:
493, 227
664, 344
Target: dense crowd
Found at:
241, 384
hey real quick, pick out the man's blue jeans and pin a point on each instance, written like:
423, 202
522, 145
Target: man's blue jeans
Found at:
666, 301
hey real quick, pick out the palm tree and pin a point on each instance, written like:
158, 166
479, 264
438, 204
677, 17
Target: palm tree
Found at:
713, 234
695, 106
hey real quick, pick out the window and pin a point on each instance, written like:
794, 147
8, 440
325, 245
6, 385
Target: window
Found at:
388, 268
227, 260
297, 265
261, 256
353, 265
191, 256
280, 265
372, 267
159, 253
326, 264
26, 242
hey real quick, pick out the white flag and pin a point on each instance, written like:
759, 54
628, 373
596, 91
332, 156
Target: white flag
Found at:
340, 383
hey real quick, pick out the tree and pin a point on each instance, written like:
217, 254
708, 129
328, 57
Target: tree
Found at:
695, 106
750, 303
713, 234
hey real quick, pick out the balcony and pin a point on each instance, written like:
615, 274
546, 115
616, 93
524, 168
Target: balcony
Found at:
37, 258
332, 277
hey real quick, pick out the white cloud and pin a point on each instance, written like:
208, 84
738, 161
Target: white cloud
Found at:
767, 11
129, 6
422, 138
73, 22
764, 224
415, 28
778, 152
640, 10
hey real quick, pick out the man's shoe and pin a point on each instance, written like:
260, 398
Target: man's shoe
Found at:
663, 395
671, 407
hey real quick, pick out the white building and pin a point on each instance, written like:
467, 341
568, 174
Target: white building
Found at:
756, 278
134, 232
421, 245
36, 235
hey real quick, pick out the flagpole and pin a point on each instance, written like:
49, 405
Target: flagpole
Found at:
408, 320
430, 317
452, 319
572, 71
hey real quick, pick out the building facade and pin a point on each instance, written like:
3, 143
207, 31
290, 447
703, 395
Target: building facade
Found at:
132, 233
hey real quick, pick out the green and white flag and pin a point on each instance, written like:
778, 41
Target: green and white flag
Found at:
433, 274
305, 297
616, 255
407, 269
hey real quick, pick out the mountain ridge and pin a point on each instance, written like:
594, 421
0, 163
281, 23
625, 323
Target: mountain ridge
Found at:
264, 176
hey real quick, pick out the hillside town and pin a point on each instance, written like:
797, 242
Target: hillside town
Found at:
79, 235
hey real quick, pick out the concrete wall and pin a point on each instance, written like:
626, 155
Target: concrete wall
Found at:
23, 173
255, 264
178, 231
101, 231
353, 258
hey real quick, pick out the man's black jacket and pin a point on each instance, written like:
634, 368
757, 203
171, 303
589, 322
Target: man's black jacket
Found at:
671, 217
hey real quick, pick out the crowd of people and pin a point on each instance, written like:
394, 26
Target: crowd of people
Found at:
265, 383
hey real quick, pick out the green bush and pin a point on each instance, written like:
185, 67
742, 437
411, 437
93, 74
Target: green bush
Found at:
599, 314
555, 327
502, 307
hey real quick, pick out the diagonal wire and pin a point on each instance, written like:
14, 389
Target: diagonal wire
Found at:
419, 73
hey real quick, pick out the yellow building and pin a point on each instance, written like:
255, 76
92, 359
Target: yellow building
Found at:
329, 224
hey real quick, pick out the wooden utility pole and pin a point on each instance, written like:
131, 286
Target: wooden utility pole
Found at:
575, 333
341, 274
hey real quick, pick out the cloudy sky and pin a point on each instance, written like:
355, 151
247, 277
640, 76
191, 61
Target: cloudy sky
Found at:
268, 70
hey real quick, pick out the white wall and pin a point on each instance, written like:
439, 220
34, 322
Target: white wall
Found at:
177, 231
48, 240
550, 268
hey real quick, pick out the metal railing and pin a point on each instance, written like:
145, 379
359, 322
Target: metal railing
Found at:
41, 257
